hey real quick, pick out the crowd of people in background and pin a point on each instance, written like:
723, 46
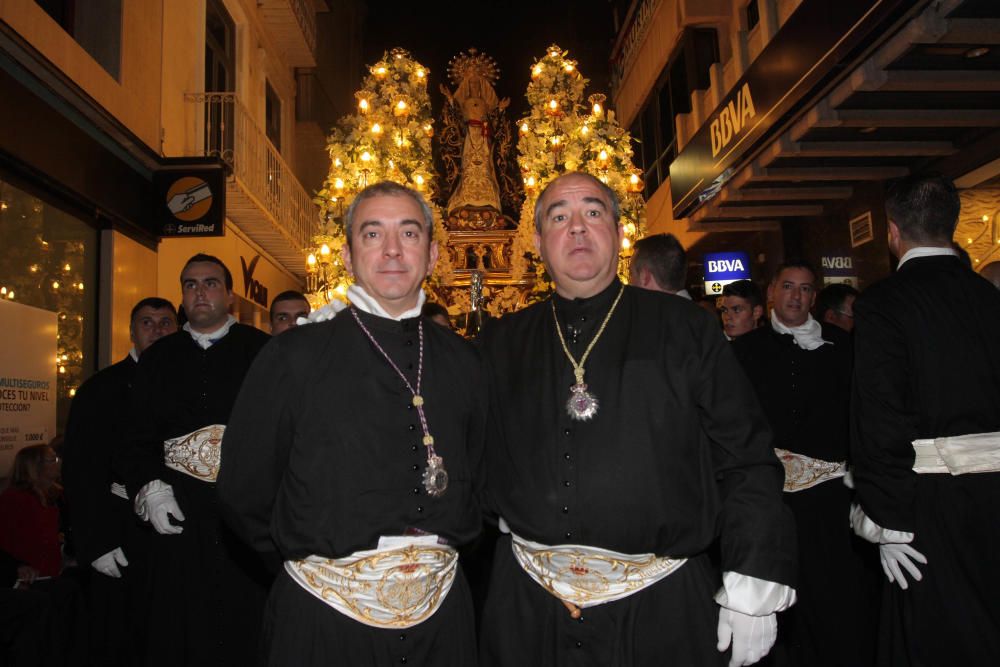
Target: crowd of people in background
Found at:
816, 486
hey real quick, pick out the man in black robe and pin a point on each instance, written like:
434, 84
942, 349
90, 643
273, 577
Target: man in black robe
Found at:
835, 306
659, 263
657, 451
802, 374
927, 368
105, 529
286, 309
206, 590
336, 455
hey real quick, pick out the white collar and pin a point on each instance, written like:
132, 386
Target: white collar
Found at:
808, 335
925, 251
684, 294
135, 355
361, 300
205, 340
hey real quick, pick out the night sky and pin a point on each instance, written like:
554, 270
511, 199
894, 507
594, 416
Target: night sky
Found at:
514, 34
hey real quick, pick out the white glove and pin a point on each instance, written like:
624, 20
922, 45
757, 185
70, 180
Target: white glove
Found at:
894, 549
109, 562
895, 555
751, 636
155, 503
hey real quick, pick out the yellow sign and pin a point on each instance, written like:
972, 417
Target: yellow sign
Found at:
732, 119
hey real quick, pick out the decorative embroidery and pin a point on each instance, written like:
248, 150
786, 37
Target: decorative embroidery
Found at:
589, 576
197, 454
396, 588
804, 472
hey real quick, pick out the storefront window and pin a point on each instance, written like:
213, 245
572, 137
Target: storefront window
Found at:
48, 260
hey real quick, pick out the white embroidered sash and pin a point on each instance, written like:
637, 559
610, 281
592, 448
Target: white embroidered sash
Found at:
197, 453
958, 455
397, 587
588, 576
804, 472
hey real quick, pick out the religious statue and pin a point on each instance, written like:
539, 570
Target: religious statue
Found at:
476, 146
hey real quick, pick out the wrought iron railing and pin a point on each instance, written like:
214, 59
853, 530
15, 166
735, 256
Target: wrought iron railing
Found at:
227, 130
306, 17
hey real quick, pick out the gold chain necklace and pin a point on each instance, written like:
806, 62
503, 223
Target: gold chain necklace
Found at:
582, 405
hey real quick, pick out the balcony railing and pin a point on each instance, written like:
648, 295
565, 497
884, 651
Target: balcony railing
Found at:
264, 198
293, 25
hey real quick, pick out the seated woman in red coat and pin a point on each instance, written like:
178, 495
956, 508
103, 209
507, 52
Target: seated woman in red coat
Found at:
29, 516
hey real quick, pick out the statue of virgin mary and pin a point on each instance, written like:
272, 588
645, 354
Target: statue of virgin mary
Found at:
473, 126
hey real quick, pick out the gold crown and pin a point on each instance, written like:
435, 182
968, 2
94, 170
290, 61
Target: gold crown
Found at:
473, 65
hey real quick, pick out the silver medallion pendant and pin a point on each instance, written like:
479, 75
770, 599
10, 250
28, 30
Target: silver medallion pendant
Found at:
582, 405
435, 477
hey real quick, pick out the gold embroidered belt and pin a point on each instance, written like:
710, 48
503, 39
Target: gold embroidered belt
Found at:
978, 452
384, 588
804, 472
197, 454
588, 576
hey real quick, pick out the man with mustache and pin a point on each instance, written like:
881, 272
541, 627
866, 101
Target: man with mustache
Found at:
354, 459
625, 440
207, 589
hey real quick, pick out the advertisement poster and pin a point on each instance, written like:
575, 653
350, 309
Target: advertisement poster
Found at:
27, 379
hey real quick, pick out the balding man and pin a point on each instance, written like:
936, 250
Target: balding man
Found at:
626, 441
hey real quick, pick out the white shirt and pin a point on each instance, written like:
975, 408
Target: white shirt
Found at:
925, 251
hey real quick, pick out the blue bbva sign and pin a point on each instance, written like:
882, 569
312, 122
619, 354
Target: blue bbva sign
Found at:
722, 268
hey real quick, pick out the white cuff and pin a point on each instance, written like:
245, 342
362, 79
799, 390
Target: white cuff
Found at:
156, 487
867, 529
323, 314
753, 596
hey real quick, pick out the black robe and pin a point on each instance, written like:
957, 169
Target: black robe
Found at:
101, 521
678, 457
926, 365
207, 590
806, 395
324, 455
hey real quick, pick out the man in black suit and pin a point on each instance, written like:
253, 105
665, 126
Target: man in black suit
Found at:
927, 368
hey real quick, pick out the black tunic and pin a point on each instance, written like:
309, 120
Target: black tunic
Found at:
101, 521
95, 428
805, 395
324, 455
207, 590
927, 365
678, 456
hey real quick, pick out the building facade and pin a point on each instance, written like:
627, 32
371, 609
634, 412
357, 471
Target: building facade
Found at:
774, 126
136, 133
